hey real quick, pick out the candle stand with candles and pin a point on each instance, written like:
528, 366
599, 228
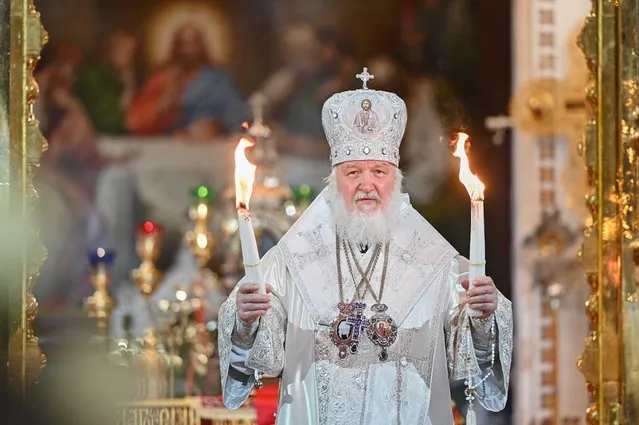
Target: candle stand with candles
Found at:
181, 339
101, 304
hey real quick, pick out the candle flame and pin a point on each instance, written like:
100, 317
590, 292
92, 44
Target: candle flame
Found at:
470, 181
244, 174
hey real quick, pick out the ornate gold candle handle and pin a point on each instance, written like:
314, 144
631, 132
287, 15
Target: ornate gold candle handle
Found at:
147, 277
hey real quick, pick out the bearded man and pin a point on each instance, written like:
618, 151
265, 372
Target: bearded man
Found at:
365, 317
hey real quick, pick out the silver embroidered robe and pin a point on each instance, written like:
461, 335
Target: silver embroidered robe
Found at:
436, 340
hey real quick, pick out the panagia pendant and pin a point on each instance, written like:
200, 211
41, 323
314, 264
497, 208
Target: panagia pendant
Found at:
381, 330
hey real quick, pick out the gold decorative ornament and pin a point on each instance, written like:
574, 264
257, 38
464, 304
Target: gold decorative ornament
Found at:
610, 254
147, 277
546, 107
153, 365
536, 107
200, 239
100, 304
21, 149
186, 411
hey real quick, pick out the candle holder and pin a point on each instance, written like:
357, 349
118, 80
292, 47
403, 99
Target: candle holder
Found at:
147, 276
200, 240
179, 331
201, 342
153, 365
100, 304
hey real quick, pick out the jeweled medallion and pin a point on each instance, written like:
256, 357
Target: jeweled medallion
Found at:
381, 330
348, 326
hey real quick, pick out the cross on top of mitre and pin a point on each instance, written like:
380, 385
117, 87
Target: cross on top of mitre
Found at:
365, 77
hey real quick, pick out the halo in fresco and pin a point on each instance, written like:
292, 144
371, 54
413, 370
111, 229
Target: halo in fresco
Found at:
206, 17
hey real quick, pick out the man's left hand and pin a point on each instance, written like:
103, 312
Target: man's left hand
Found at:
482, 296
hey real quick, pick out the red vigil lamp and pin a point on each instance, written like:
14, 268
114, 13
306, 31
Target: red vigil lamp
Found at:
149, 243
150, 228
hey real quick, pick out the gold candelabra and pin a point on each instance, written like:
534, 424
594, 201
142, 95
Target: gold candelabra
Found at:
100, 304
200, 240
153, 365
147, 277
274, 204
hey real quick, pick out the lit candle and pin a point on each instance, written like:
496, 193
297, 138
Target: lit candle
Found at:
244, 179
475, 190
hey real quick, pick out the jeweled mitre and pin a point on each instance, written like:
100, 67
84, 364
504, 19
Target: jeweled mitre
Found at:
364, 124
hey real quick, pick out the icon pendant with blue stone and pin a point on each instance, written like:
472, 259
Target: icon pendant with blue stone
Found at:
381, 330
348, 326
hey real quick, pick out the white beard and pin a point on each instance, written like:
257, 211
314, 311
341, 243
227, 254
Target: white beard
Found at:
367, 228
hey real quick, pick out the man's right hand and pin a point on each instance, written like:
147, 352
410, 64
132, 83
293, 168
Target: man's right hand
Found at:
252, 305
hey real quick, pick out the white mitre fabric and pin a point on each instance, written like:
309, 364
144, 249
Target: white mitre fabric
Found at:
364, 124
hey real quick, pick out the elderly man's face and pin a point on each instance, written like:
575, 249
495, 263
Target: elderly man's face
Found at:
366, 186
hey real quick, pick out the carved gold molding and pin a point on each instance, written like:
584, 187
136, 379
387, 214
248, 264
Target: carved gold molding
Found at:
610, 360
24, 149
187, 411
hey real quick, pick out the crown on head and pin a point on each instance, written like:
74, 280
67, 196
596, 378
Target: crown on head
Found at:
364, 124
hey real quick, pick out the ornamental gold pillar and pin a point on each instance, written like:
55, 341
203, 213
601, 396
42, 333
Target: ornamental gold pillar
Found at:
21, 146
610, 253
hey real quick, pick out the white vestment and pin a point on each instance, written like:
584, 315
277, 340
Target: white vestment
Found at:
434, 342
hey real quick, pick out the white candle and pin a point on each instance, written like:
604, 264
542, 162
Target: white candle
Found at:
244, 178
475, 190
477, 241
250, 254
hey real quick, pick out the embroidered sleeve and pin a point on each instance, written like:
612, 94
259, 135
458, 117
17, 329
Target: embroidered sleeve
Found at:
469, 345
243, 335
482, 339
267, 353
246, 352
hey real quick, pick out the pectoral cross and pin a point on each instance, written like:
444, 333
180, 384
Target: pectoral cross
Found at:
357, 320
365, 77
347, 338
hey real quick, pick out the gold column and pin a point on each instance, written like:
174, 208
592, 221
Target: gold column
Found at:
610, 361
5, 318
20, 154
